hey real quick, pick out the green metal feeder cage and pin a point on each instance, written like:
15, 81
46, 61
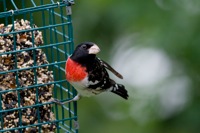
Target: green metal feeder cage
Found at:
36, 37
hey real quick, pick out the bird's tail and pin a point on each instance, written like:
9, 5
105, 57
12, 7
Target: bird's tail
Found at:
120, 90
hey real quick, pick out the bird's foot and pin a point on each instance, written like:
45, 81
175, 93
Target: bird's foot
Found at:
56, 101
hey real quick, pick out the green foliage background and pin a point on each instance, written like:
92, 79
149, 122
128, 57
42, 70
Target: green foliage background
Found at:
169, 26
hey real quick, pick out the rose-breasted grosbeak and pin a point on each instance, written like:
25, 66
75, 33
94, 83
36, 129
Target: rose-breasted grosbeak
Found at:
88, 75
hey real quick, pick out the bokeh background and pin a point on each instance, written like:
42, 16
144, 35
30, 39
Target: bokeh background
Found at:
155, 45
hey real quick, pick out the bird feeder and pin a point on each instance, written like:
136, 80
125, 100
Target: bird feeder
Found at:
36, 37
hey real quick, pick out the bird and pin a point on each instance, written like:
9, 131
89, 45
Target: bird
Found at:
88, 74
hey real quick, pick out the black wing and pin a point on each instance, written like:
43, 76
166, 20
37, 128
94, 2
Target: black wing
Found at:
98, 76
106, 65
100, 80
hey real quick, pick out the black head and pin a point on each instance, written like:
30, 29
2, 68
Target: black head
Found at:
85, 52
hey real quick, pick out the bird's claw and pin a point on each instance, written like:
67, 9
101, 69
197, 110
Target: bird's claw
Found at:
56, 101
76, 124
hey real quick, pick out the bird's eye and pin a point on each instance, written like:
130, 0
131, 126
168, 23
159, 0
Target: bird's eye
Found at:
84, 47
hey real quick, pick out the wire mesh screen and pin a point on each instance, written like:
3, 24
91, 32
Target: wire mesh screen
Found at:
36, 37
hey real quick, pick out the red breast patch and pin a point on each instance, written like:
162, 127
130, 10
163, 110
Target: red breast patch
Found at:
74, 71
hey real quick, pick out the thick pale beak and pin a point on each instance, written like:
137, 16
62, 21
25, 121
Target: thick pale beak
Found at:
94, 49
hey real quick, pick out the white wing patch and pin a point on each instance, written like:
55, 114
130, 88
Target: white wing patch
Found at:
93, 83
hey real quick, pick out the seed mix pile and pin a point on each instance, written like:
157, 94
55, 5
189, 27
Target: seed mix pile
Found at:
24, 78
